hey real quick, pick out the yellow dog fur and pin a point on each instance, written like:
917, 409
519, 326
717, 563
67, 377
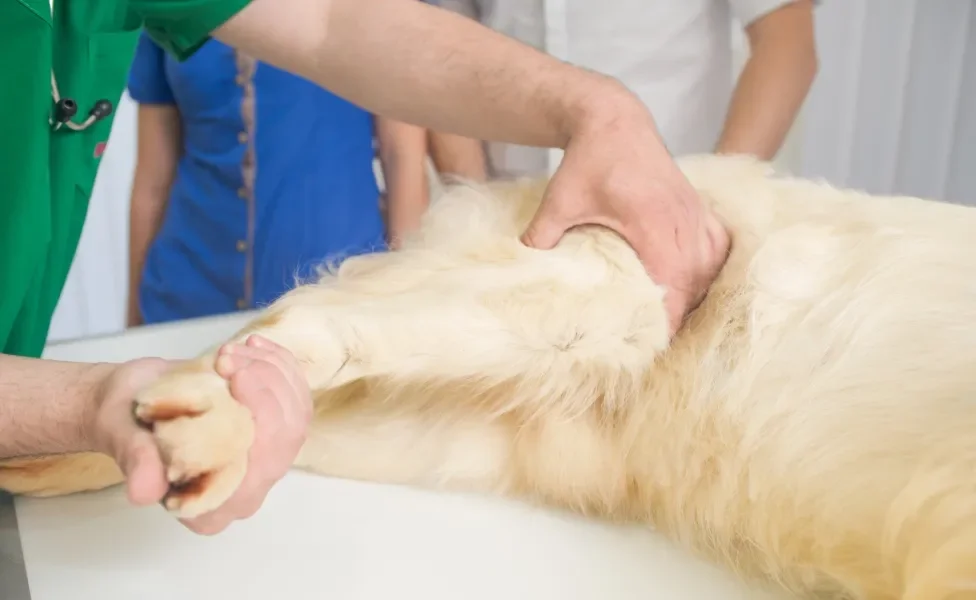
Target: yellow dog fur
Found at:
812, 425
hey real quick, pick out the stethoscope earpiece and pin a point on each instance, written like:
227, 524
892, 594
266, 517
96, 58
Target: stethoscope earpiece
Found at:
102, 109
65, 109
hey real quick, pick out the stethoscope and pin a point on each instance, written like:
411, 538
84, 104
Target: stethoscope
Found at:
65, 109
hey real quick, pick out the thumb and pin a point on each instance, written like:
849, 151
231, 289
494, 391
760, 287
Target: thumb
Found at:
676, 305
145, 477
132, 445
546, 229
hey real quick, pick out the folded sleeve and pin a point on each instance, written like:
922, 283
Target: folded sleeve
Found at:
181, 27
747, 11
147, 76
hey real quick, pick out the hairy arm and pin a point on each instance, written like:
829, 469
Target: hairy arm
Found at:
403, 156
455, 155
452, 74
458, 156
157, 156
45, 405
774, 83
473, 81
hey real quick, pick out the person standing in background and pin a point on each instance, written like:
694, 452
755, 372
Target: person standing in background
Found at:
676, 55
248, 176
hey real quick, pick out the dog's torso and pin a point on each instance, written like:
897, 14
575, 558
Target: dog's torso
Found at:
841, 332
812, 423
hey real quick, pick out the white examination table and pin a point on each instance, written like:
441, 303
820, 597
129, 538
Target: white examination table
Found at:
320, 538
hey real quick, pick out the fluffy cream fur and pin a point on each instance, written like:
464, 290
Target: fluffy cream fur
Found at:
812, 425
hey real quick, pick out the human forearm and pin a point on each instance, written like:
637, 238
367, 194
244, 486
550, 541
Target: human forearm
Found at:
158, 153
458, 156
403, 157
407, 197
145, 217
46, 406
450, 73
767, 99
774, 83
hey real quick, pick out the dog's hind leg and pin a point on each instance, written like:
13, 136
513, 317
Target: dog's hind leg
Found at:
57, 475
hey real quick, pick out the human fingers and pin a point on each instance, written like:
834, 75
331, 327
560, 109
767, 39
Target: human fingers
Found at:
262, 389
718, 245
543, 232
686, 266
677, 308
145, 475
244, 504
280, 416
677, 264
233, 357
560, 210
208, 524
283, 358
277, 435
269, 458
704, 246
663, 262
257, 369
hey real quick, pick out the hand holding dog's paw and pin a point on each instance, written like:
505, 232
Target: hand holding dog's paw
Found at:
207, 444
266, 379
112, 431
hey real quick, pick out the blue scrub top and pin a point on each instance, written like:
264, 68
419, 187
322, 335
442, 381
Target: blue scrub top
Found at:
314, 197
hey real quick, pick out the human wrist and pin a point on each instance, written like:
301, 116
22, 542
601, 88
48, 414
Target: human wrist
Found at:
603, 102
92, 388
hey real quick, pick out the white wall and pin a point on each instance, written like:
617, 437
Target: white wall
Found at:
893, 110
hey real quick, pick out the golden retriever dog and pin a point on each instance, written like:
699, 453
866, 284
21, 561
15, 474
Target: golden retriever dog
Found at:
811, 426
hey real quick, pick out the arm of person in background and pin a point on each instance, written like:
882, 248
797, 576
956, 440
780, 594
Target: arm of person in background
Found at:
403, 158
157, 154
458, 156
775, 81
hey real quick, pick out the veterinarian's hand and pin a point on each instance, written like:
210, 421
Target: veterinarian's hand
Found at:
262, 376
617, 173
112, 430
266, 379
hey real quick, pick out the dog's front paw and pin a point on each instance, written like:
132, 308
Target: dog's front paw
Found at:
203, 435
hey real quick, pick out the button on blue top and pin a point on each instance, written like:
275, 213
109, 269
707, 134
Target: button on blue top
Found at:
315, 197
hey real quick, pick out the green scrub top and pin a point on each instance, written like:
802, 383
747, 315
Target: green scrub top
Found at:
46, 176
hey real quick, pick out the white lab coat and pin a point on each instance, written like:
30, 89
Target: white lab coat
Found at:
676, 55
